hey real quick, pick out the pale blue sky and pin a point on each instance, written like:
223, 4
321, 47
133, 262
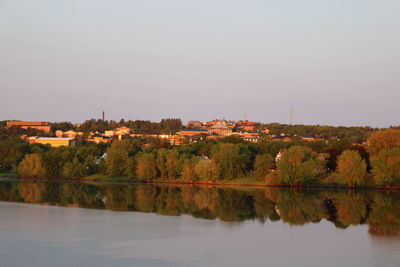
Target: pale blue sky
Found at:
336, 62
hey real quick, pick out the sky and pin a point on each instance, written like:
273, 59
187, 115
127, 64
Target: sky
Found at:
332, 62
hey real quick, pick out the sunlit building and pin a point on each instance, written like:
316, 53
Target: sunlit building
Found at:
53, 141
38, 125
220, 129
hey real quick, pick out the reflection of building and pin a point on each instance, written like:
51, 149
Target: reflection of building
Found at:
38, 125
53, 141
220, 129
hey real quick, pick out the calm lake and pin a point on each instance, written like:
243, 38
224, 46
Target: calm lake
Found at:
124, 224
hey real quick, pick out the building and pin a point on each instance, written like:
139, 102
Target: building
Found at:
100, 139
59, 133
176, 140
53, 141
220, 129
253, 139
250, 136
123, 130
118, 132
279, 155
194, 124
38, 125
69, 134
214, 122
309, 138
282, 138
192, 132
247, 126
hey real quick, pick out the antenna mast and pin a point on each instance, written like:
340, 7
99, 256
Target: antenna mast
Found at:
291, 115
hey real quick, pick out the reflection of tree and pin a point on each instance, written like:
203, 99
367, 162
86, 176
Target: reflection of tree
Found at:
52, 193
80, 195
145, 198
299, 207
384, 218
119, 197
264, 208
235, 205
169, 201
272, 194
9, 192
206, 201
351, 208
31, 192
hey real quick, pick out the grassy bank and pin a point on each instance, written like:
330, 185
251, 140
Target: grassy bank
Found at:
246, 181
9, 174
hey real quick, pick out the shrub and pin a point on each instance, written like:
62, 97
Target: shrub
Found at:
31, 166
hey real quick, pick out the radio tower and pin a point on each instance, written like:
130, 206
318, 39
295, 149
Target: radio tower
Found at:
291, 115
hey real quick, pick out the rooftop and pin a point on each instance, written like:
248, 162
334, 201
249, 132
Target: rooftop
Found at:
194, 130
55, 138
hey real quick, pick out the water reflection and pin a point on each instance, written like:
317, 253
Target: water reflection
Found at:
379, 210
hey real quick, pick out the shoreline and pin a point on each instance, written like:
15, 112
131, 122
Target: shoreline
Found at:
207, 183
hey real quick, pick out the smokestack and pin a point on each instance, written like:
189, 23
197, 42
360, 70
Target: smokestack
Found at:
103, 115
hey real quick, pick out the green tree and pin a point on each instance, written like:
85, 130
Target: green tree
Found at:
188, 169
351, 169
55, 159
169, 126
31, 167
146, 166
386, 167
263, 165
173, 168
12, 151
384, 139
204, 169
74, 169
299, 165
231, 160
161, 160
118, 158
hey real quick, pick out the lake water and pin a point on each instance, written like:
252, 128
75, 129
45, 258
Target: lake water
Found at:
77, 224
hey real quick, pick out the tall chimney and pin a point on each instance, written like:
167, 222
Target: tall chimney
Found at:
103, 115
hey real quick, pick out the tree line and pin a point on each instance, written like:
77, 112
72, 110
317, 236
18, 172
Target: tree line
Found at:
165, 126
335, 162
353, 134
